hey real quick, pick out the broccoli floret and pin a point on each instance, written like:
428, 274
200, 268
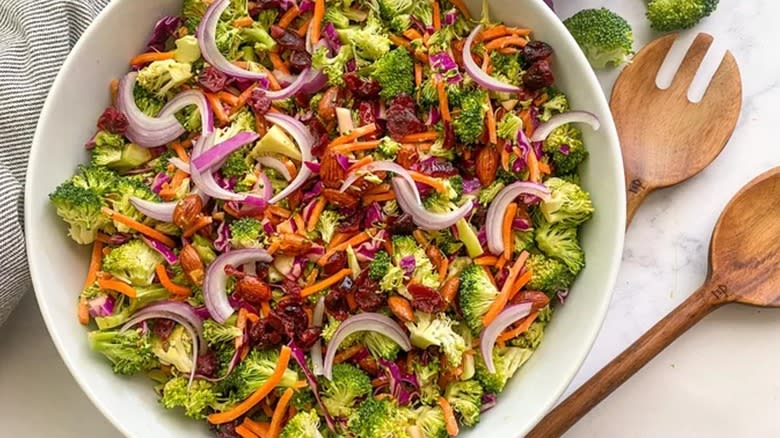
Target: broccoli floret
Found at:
560, 241
147, 101
204, 248
438, 203
566, 148
176, 350
557, 103
532, 337
487, 194
445, 241
465, 397
80, 208
569, 203
192, 12
245, 233
475, 295
548, 275
126, 188
122, 311
507, 67
427, 330
380, 345
215, 333
523, 241
471, 121
392, 8
303, 399
258, 34
393, 280
507, 361
327, 223
428, 377
238, 166
133, 262
243, 121
160, 77
572, 178
335, 16
130, 351
346, 387
378, 267
189, 118
111, 150
604, 36
669, 15
335, 67
379, 419
254, 371
305, 424
388, 149
508, 126
430, 419
196, 399
99, 179
369, 40
395, 73
424, 272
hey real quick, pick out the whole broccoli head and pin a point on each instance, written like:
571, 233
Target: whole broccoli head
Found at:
379, 419
133, 262
387, 149
604, 36
569, 203
548, 275
470, 123
327, 224
369, 40
130, 351
532, 337
557, 103
215, 333
378, 267
253, 372
475, 295
160, 77
80, 208
395, 73
566, 148
335, 67
560, 241
196, 399
427, 330
305, 424
245, 233
507, 361
124, 189
430, 419
427, 374
176, 350
669, 15
465, 397
347, 387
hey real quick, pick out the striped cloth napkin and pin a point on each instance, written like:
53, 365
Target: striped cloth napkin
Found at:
35, 38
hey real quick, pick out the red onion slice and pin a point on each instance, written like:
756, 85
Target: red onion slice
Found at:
215, 280
386, 166
300, 134
476, 73
205, 180
161, 211
507, 317
187, 98
142, 129
495, 214
374, 322
316, 349
180, 164
218, 153
275, 164
425, 219
543, 131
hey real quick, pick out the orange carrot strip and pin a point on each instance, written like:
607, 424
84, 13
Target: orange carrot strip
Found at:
357, 146
145, 58
328, 282
265, 307
533, 166
519, 329
360, 163
276, 60
418, 236
500, 263
228, 98
486, 260
508, 51
490, 275
443, 267
83, 312
412, 34
273, 82
444, 106
449, 417
288, 17
243, 22
304, 27
279, 211
353, 241
315, 214
500, 43
299, 224
258, 395
216, 106
521, 31
524, 278
399, 41
506, 229
118, 286
378, 197
354, 134
436, 183
316, 25
258, 428
243, 98
168, 284
505, 158
417, 74
420, 137
141, 228
252, 317
180, 152
169, 189
281, 407
492, 33
544, 168
336, 239
491, 123
436, 15
377, 189
199, 224
461, 7
95, 259
267, 409
244, 432
312, 277
503, 296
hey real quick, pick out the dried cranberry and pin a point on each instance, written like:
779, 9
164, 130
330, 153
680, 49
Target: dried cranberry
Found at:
360, 87
308, 337
404, 101
402, 119
536, 51
112, 121
162, 328
294, 318
320, 145
267, 332
436, 167
207, 364
449, 136
539, 75
267, 4
367, 115
212, 79
259, 102
228, 430
350, 223
299, 61
287, 40
291, 288
314, 124
401, 225
335, 263
367, 294
478, 217
336, 304
426, 299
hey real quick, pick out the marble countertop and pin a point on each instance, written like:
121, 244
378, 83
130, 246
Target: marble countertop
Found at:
718, 380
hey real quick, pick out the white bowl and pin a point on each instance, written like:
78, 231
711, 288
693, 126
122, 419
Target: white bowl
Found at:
58, 265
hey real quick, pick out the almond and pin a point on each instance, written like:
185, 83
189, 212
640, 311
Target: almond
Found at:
407, 156
538, 299
187, 211
293, 244
191, 264
327, 106
339, 198
331, 172
487, 164
253, 289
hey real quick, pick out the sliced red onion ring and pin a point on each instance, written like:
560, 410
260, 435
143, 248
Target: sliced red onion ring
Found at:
544, 130
187, 98
386, 166
476, 73
423, 218
374, 322
205, 180
215, 280
265, 182
316, 349
344, 117
495, 214
507, 317
300, 134
275, 164
218, 153
142, 129
315, 81
161, 211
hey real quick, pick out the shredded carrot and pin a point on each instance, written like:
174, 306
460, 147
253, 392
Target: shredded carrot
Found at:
491, 33
168, 284
228, 98
252, 317
145, 58
528, 125
544, 167
118, 286
377, 189
244, 432
524, 278
281, 407
436, 183
354, 135
114, 88
444, 106
508, 51
412, 34
420, 137
351, 302
500, 262
273, 82
178, 147
487, 260
486, 67
500, 43
241, 325
360, 163
418, 236
449, 417
505, 158
443, 267
503, 296
83, 312
141, 228
541, 100
258, 428
461, 7
312, 277
490, 275
378, 197
506, 229
520, 328
258, 395
267, 408
315, 214
353, 241
417, 74
266, 308
400, 41
243, 98
357, 146
304, 27
199, 224
328, 282
347, 353
533, 166
521, 31
102, 238
243, 22
288, 17
337, 238
216, 106
436, 15
316, 25
279, 211
491, 122
278, 64
94, 263
169, 189
299, 224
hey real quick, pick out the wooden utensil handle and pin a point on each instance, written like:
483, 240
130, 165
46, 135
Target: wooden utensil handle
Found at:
636, 192
560, 419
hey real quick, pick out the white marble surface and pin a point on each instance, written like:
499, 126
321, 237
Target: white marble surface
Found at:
719, 380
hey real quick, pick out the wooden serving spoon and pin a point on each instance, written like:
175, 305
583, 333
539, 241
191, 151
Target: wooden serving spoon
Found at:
744, 261
665, 138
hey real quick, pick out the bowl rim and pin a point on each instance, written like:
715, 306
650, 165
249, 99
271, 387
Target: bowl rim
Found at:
607, 125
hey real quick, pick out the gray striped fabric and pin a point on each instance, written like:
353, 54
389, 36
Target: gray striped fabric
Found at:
35, 38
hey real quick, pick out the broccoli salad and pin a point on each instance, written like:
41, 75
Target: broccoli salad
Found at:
329, 217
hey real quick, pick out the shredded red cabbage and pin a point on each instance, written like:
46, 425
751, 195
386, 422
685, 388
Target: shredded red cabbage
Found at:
300, 358
159, 179
222, 242
331, 38
471, 185
403, 387
408, 264
101, 306
165, 28
161, 248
